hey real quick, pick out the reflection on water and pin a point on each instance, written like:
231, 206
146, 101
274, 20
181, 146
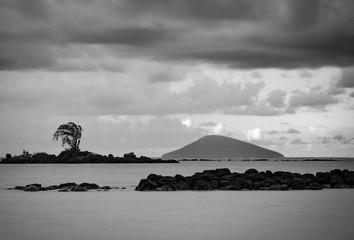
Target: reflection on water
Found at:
126, 214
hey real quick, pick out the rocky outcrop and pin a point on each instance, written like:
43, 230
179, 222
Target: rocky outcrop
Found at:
223, 179
63, 187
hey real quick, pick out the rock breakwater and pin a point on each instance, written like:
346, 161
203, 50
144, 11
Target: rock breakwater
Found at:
224, 179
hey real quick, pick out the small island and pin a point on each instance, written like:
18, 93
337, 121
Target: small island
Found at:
70, 135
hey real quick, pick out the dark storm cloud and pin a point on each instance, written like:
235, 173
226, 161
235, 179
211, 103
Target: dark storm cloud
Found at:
137, 36
235, 33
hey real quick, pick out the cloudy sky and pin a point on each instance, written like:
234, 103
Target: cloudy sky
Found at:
152, 76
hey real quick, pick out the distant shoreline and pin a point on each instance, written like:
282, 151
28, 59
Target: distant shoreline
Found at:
85, 157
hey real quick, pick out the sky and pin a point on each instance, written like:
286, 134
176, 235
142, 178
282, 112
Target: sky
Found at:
152, 76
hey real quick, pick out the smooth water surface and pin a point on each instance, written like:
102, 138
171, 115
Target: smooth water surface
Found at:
126, 214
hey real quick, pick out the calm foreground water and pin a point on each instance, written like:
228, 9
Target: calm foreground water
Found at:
126, 214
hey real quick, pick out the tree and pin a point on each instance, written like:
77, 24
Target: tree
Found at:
70, 134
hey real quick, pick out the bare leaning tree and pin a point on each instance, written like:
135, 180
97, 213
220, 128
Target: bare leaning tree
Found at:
70, 134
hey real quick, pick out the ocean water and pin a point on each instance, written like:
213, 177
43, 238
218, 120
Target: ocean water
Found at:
127, 214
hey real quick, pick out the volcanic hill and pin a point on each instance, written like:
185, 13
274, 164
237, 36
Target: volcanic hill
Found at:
215, 146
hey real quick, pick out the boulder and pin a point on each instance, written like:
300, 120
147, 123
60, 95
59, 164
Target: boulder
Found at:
78, 189
165, 188
322, 177
314, 186
146, 185
296, 183
181, 185
167, 180
251, 171
222, 172
201, 185
31, 188
63, 190
336, 179
34, 184
214, 184
106, 188
52, 187
65, 185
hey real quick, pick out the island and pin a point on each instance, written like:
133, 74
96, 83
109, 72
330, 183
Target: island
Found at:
216, 147
70, 156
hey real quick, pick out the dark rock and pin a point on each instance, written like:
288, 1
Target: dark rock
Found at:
179, 177
32, 188
78, 189
165, 188
63, 190
106, 188
154, 177
181, 185
167, 180
341, 185
222, 172
336, 179
251, 171
20, 187
314, 186
52, 187
348, 177
228, 188
214, 184
201, 185
224, 183
65, 185
296, 184
247, 184
336, 172
34, 184
279, 187
323, 178
251, 180
146, 185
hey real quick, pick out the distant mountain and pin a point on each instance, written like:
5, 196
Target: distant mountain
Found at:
214, 146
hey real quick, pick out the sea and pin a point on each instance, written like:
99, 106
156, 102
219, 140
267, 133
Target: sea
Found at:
125, 214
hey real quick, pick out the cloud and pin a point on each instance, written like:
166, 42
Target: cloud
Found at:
338, 137
101, 94
219, 128
188, 123
208, 124
255, 134
304, 73
352, 94
292, 131
273, 132
315, 98
347, 78
256, 75
238, 34
298, 141
276, 98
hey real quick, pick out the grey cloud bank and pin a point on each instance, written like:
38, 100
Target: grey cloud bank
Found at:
235, 33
